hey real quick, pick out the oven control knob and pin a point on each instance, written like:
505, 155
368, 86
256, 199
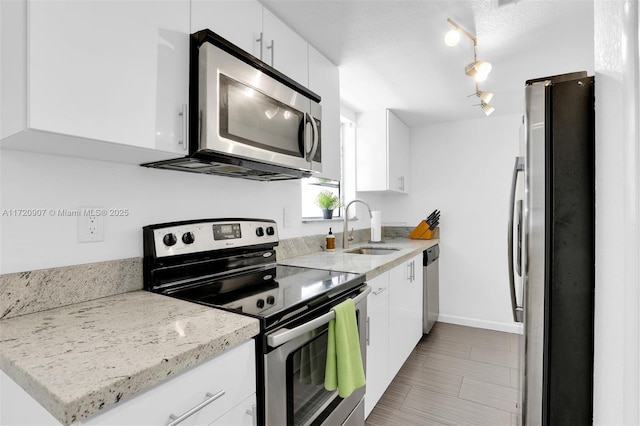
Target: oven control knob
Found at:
271, 300
188, 238
260, 303
270, 230
259, 231
169, 239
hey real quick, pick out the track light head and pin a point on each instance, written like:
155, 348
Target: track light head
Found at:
479, 70
452, 38
485, 96
488, 109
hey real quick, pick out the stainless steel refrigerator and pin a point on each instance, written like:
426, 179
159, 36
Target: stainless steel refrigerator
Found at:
552, 251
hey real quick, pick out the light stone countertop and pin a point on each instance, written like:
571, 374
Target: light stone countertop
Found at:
78, 359
370, 265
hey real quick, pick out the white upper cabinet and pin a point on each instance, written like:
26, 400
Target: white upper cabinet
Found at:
109, 79
240, 22
382, 152
256, 30
284, 49
324, 79
112, 71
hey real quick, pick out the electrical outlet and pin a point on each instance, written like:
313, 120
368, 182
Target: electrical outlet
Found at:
287, 219
90, 224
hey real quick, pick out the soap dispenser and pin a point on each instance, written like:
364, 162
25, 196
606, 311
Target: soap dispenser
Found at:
331, 241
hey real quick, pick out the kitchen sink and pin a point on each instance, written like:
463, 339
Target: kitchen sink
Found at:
372, 250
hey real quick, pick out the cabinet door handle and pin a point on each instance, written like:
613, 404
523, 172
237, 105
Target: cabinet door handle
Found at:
174, 420
252, 413
260, 40
273, 48
185, 123
409, 276
367, 335
380, 290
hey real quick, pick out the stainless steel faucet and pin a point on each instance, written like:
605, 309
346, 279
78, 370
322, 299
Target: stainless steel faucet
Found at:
345, 237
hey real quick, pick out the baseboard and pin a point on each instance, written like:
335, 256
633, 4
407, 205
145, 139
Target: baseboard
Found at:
490, 325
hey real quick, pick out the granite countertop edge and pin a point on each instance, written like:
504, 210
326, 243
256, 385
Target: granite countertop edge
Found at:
369, 265
45, 385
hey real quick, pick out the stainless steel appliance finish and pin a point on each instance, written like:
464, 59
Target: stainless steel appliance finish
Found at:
558, 258
431, 291
247, 119
515, 205
230, 264
294, 373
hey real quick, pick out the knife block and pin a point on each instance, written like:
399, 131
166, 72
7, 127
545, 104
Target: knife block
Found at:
422, 232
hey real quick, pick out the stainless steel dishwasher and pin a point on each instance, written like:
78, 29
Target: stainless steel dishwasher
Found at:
431, 302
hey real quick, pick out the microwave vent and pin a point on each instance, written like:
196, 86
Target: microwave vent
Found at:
211, 163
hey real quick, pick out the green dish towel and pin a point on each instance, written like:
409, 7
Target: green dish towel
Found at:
344, 369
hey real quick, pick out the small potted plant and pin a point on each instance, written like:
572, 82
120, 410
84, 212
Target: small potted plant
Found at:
327, 201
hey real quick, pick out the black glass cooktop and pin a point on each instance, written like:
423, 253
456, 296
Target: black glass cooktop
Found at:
272, 293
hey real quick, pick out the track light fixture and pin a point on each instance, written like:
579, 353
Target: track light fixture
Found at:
488, 109
477, 69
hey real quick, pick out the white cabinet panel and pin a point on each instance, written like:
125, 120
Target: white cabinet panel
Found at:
241, 415
243, 23
378, 374
324, 79
240, 22
405, 311
284, 49
398, 139
382, 152
232, 372
112, 71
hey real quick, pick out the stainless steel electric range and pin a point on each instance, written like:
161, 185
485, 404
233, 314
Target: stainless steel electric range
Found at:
231, 264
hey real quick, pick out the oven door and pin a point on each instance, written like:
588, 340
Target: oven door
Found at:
294, 372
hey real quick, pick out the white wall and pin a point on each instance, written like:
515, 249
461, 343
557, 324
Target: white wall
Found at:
30, 180
616, 381
464, 170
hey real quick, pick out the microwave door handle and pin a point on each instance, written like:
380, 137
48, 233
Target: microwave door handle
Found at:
306, 149
315, 136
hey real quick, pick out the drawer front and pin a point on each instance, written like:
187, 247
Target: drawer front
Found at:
243, 414
379, 289
230, 374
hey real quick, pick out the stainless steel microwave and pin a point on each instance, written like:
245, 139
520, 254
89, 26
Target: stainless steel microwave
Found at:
250, 120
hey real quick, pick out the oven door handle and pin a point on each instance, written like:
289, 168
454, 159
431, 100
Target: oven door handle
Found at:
285, 335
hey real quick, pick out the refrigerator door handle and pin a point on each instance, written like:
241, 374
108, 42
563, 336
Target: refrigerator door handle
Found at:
516, 310
519, 210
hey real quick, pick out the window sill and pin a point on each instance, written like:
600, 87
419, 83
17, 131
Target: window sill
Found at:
319, 219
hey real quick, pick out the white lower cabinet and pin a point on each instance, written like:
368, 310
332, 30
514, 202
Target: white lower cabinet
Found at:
394, 325
405, 311
378, 376
243, 414
228, 380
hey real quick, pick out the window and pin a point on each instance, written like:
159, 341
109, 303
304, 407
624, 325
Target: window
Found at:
345, 188
311, 187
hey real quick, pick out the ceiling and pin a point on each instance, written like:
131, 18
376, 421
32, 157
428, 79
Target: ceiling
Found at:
391, 54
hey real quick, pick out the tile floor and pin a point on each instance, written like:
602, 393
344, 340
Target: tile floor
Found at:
456, 375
